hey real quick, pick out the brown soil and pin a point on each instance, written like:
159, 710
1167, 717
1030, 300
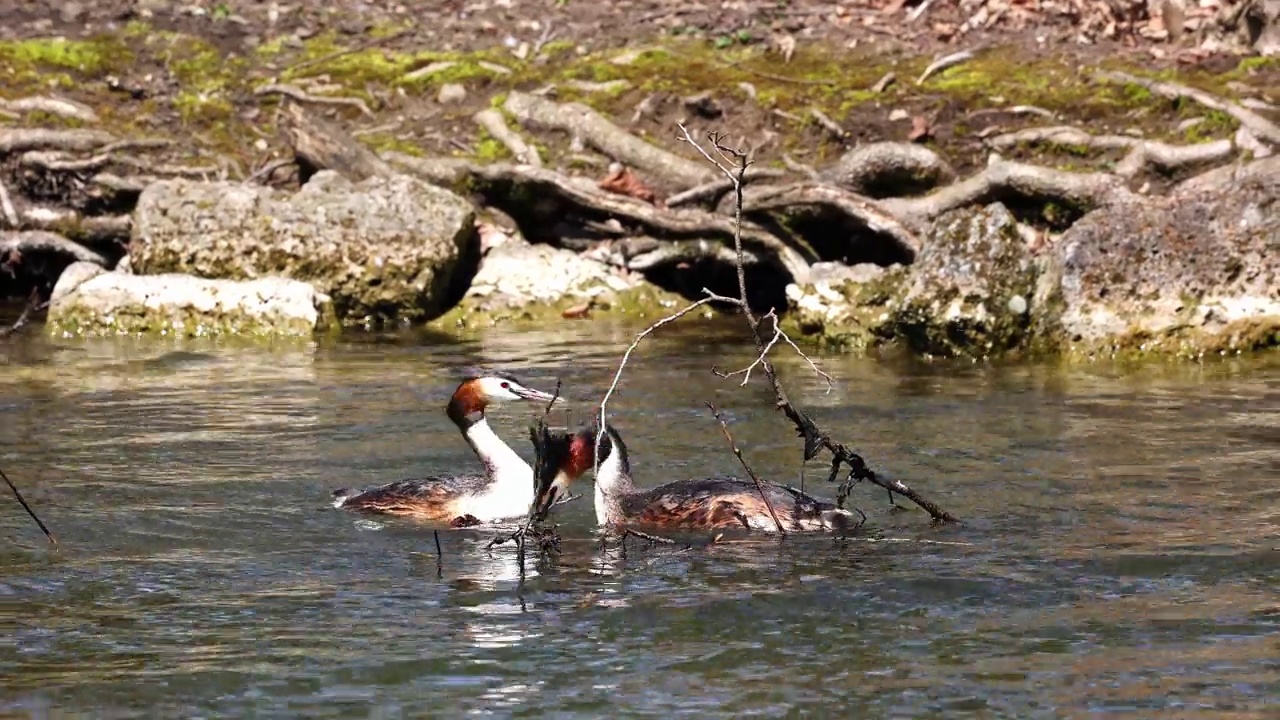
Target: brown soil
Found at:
187, 71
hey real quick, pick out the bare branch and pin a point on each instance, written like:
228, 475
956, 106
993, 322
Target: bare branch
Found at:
752, 473
303, 96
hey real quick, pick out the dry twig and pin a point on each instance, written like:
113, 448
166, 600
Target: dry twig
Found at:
724, 427
814, 439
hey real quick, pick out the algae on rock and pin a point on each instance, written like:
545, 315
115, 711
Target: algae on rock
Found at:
384, 249
969, 292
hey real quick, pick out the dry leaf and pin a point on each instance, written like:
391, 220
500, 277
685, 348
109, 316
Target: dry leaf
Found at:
920, 129
624, 182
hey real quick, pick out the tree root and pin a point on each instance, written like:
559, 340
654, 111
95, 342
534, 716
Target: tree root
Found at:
1142, 153
304, 97
1003, 180
53, 105
863, 212
1220, 179
585, 198
54, 161
494, 124
319, 145
38, 242
711, 193
1261, 127
22, 139
594, 129
888, 169
96, 229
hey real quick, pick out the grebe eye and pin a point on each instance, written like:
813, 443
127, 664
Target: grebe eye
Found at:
506, 385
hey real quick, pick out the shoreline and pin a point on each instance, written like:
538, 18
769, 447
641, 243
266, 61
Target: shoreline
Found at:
584, 131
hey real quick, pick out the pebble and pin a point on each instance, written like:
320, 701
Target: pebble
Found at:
451, 93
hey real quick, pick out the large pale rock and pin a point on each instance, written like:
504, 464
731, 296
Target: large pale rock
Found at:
384, 248
89, 301
521, 280
1194, 274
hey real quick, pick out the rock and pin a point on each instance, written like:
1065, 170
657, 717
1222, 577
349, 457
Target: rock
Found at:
450, 93
384, 248
521, 280
90, 301
969, 291
1192, 274
968, 294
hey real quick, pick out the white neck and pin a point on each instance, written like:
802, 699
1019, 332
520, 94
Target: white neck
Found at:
510, 491
501, 463
612, 485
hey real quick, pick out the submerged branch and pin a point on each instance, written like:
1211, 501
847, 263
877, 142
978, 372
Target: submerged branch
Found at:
27, 507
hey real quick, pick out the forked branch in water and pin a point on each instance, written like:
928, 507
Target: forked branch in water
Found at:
814, 438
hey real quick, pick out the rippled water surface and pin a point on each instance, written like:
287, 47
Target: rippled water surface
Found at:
1119, 553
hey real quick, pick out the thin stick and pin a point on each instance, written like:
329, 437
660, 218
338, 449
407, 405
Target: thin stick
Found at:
754, 478
627, 356
27, 507
439, 555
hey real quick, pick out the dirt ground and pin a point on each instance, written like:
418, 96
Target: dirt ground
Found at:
802, 81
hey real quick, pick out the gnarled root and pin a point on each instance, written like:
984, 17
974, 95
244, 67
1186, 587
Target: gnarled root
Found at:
1143, 154
560, 197
599, 132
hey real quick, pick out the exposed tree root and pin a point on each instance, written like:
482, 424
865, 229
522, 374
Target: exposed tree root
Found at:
305, 97
95, 229
862, 211
319, 144
584, 198
53, 105
494, 124
1261, 127
1003, 180
22, 139
599, 132
34, 242
1220, 179
54, 161
1142, 153
710, 193
888, 169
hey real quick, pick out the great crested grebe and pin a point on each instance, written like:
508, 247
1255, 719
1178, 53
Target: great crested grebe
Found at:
715, 502
503, 491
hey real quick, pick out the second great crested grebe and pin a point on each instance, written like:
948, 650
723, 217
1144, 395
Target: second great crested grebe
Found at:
715, 502
503, 491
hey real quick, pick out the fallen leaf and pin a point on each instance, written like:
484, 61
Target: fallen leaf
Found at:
624, 182
919, 129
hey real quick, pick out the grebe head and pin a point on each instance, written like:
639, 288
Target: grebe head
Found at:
478, 392
562, 458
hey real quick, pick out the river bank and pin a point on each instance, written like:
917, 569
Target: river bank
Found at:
952, 190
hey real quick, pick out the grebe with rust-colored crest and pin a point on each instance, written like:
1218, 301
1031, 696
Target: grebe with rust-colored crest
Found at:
503, 491
698, 504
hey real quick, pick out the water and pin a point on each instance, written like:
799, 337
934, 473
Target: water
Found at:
1118, 554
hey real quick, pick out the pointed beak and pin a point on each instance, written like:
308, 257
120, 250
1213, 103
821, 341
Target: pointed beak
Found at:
525, 393
554, 492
